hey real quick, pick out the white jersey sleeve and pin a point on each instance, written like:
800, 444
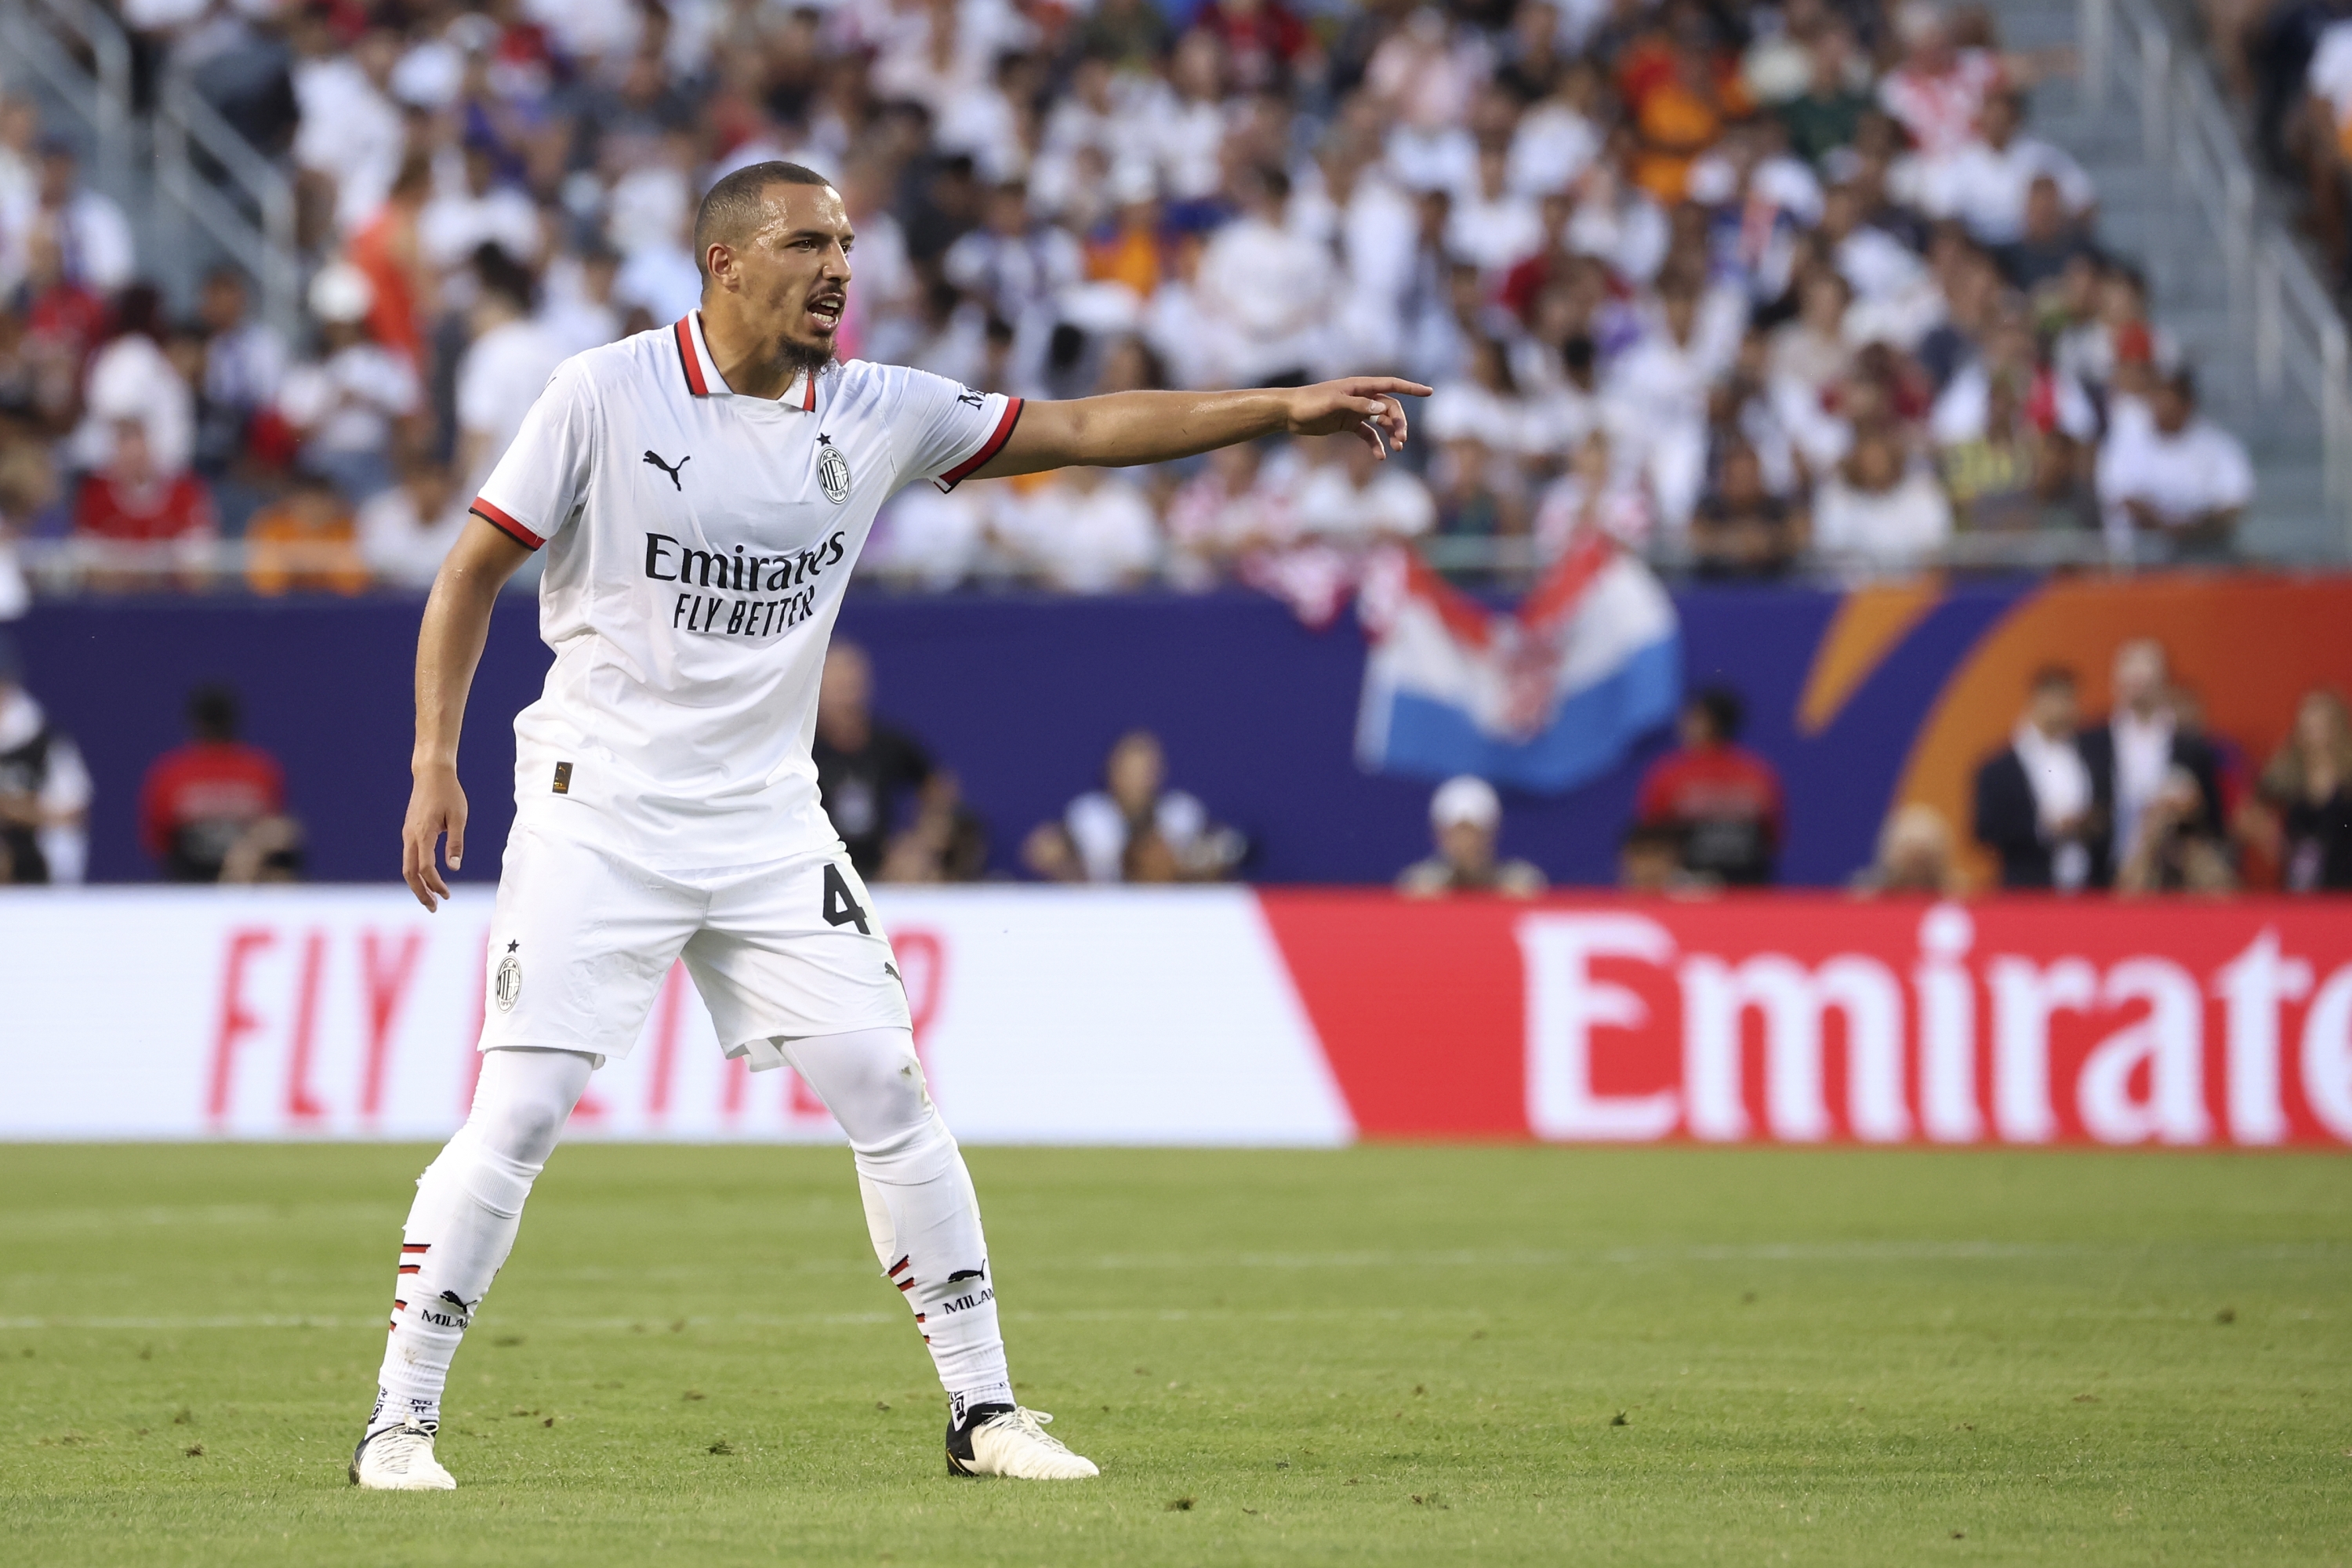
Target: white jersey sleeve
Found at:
943, 431
541, 482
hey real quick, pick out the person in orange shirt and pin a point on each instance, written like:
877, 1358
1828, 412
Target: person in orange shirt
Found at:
306, 542
384, 249
1126, 249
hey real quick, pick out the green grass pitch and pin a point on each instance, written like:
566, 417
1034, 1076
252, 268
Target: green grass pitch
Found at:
1411, 1355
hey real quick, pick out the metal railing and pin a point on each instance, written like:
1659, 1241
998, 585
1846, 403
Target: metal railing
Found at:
240, 200
63, 568
47, 38
2277, 307
267, 249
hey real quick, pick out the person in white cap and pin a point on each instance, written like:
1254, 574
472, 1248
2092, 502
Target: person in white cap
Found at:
1466, 816
347, 402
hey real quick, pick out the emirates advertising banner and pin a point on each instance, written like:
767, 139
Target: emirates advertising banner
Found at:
1228, 1017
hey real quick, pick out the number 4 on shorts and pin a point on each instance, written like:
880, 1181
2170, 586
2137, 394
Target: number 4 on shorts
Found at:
841, 907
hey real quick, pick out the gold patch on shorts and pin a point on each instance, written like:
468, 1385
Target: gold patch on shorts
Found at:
563, 778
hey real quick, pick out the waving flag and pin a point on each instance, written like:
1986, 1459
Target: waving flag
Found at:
1542, 699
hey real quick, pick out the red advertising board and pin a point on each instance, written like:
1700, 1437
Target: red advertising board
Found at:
1809, 1019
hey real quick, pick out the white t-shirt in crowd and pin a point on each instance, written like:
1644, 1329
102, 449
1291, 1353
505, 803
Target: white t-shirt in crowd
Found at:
348, 403
2202, 467
502, 374
1900, 527
1986, 188
699, 542
401, 545
1084, 541
1100, 831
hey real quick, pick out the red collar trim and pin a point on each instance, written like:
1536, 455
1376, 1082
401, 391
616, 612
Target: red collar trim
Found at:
689, 357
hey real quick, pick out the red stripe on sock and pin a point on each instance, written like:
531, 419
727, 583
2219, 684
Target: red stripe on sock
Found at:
898, 1265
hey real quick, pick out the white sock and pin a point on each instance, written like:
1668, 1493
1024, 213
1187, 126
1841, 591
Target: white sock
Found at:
921, 1209
462, 1225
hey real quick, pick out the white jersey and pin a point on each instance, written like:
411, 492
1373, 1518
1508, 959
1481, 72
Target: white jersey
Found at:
699, 542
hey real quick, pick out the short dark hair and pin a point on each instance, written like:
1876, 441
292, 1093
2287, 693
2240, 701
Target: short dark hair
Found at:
502, 275
2054, 674
732, 207
213, 711
1725, 710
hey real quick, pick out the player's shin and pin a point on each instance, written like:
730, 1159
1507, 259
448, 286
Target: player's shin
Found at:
919, 1206
463, 1222
927, 1238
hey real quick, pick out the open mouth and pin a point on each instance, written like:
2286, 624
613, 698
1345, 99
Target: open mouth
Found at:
826, 312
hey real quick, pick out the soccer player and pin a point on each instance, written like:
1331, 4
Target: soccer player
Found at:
702, 491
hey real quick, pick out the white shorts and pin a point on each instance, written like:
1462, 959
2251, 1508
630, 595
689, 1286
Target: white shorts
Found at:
582, 940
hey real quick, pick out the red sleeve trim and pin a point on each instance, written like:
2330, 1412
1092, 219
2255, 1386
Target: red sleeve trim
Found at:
505, 525
988, 448
688, 361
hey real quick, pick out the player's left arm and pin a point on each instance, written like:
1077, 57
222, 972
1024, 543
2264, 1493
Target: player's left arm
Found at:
1123, 428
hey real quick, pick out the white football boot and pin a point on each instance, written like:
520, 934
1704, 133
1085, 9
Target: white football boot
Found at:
400, 1460
1006, 1440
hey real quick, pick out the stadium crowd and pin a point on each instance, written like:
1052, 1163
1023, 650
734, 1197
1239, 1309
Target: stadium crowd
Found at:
1746, 286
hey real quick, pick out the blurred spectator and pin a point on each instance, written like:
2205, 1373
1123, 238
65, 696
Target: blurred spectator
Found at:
305, 542
932, 540
2176, 845
476, 209
214, 810
864, 768
1224, 513
1650, 860
1939, 91
348, 405
28, 485
1332, 507
946, 842
2034, 802
2131, 756
1083, 530
1596, 495
1741, 528
1134, 828
2308, 784
1880, 509
504, 370
45, 790
2167, 474
1466, 817
1722, 799
244, 363
1826, 116
1266, 291
1988, 182
407, 530
1914, 857
131, 501
130, 378
89, 230
386, 250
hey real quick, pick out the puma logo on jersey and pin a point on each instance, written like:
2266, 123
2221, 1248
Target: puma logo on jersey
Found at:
671, 468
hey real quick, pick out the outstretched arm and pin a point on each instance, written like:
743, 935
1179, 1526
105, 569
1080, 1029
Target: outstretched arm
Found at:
1124, 428
448, 647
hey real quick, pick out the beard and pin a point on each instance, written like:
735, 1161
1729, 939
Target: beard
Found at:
809, 357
